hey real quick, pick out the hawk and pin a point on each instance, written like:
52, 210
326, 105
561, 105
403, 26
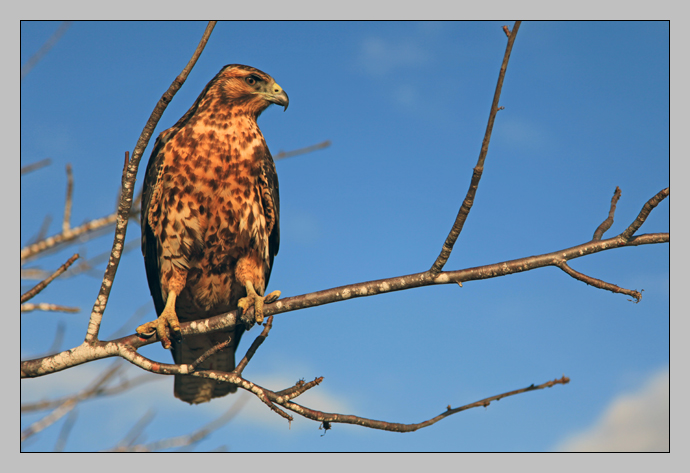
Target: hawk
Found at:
210, 221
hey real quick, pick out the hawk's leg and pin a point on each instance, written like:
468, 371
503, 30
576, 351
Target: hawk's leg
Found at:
167, 324
253, 299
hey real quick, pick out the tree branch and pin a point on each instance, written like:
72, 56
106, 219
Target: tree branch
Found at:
466, 206
297, 152
644, 213
128, 180
126, 347
606, 224
42, 285
68, 199
598, 282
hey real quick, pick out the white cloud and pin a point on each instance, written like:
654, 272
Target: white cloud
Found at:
634, 422
380, 57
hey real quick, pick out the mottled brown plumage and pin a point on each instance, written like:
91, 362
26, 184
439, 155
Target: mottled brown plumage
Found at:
210, 220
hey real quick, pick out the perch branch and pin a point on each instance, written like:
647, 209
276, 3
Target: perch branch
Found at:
606, 224
466, 206
126, 346
128, 180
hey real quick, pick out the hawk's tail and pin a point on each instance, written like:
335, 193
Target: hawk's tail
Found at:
195, 390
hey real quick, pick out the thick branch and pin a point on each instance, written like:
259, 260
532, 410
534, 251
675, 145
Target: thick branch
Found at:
466, 206
128, 180
125, 347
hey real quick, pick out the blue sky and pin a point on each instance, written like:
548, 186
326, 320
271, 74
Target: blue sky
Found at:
405, 106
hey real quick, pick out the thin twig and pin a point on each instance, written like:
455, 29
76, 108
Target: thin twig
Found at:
47, 307
190, 439
65, 431
42, 285
255, 345
34, 166
210, 352
103, 391
128, 180
47, 46
69, 404
297, 152
68, 199
299, 388
599, 283
396, 427
644, 213
65, 237
606, 224
466, 206
136, 431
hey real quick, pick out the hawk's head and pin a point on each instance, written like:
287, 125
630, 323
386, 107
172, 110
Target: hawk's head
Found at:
246, 87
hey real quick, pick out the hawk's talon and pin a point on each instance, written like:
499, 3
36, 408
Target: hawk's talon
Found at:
165, 326
253, 299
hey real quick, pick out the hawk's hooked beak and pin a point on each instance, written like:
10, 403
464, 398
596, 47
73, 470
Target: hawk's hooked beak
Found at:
278, 96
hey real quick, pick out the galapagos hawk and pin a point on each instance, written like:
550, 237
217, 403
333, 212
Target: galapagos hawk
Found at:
210, 221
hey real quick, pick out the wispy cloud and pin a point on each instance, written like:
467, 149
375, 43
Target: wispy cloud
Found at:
380, 57
635, 422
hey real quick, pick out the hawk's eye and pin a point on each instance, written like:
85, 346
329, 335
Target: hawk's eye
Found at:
251, 80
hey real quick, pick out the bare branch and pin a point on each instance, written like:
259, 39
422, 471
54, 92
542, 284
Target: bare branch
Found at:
599, 283
255, 346
65, 237
103, 391
128, 180
47, 46
466, 206
644, 213
136, 431
68, 199
328, 418
42, 285
125, 347
297, 152
606, 224
34, 166
69, 404
65, 431
45, 306
191, 439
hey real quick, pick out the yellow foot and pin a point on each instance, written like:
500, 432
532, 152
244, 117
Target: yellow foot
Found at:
253, 299
165, 325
